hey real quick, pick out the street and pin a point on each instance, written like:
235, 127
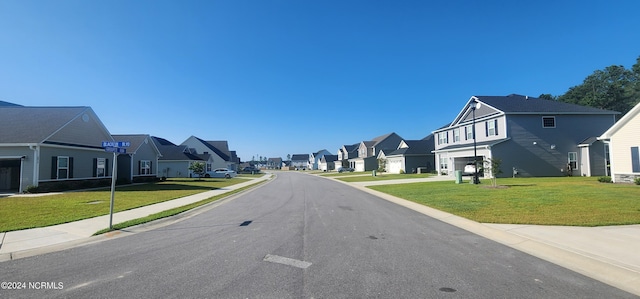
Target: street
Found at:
299, 236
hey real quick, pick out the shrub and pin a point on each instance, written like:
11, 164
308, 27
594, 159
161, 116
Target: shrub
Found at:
637, 181
402, 171
604, 179
32, 189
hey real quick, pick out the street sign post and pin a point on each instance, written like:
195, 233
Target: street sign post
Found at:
115, 147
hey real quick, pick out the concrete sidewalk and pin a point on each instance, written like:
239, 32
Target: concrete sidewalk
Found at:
609, 254
16, 244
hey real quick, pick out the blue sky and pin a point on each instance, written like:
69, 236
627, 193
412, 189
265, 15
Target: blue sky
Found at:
291, 77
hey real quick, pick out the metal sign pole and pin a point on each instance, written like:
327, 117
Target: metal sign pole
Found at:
113, 188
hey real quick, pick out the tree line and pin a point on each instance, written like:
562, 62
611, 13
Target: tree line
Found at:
614, 88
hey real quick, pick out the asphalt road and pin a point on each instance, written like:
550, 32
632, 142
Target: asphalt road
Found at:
299, 236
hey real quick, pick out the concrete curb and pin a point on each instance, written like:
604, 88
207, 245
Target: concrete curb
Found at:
623, 277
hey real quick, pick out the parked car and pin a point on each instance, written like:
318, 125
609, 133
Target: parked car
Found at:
470, 169
345, 169
250, 169
220, 173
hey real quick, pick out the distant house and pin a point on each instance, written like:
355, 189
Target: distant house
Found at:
274, 163
314, 158
50, 146
141, 160
219, 151
327, 162
411, 156
623, 145
175, 160
532, 137
345, 153
300, 161
368, 151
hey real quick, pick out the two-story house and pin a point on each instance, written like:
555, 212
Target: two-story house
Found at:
368, 151
346, 152
314, 158
411, 156
299, 161
531, 136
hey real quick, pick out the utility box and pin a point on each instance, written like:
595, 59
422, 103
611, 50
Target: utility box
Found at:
373, 173
458, 174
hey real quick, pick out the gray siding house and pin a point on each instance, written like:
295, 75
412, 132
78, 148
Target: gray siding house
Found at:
314, 158
368, 151
141, 160
175, 159
219, 151
411, 155
299, 161
345, 153
532, 137
51, 145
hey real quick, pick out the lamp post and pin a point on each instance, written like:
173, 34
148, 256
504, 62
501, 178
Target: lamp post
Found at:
473, 105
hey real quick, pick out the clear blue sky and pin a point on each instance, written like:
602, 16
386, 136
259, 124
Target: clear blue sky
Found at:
291, 77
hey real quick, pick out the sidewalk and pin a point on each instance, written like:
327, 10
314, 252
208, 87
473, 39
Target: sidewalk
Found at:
16, 244
609, 254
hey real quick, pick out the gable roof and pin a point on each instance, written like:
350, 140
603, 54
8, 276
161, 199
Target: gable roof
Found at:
329, 158
210, 145
415, 147
7, 104
635, 111
299, 157
172, 152
137, 140
515, 103
45, 122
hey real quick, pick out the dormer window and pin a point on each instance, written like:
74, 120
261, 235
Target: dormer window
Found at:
548, 122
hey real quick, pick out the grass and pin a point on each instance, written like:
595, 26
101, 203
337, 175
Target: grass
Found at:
171, 212
28, 212
335, 173
573, 201
382, 177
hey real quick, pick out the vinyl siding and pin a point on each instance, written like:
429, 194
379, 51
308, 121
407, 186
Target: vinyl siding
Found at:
621, 143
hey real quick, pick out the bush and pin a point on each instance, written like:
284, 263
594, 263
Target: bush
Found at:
637, 181
32, 189
604, 179
402, 171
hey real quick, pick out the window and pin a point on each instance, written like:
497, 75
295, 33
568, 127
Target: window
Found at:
492, 127
548, 121
208, 167
101, 164
635, 159
573, 160
469, 132
443, 138
443, 164
456, 135
63, 168
145, 167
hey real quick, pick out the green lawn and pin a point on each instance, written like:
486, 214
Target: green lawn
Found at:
575, 201
382, 177
335, 173
29, 212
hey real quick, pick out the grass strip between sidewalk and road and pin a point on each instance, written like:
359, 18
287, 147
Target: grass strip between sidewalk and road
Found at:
570, 201
384, 177
174, 211
18, 212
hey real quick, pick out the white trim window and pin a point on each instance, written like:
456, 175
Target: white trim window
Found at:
63, 167
492, 127
209, 167
456, 135
468, 132
573, 160
101, 167
444, 166
145, 167
443, 137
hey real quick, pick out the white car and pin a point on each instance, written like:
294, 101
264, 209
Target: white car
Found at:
470, 168
220, 173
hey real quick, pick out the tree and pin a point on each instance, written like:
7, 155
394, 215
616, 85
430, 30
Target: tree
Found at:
493, 165
610, 89
288, 157
197, 168
548, 96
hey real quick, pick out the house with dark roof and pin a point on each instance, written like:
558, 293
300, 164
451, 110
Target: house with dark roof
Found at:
623, 147
327, 162
410, 156
314, 158
174, 160
7, 104
140, 162
368, 151
532, 137
48, 147
299, 161
346, 152
219, 151
274, 163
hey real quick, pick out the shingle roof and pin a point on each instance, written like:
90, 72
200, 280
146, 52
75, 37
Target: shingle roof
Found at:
299, 157
7, 104
330, 158
34, 124
415, 147
515, 103
210, 145
172, 152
